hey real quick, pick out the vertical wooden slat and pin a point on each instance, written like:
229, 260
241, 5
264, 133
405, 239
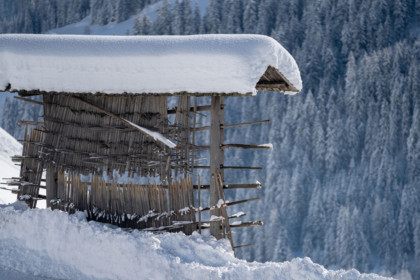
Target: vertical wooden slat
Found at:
51, 183
216, 159
199, 204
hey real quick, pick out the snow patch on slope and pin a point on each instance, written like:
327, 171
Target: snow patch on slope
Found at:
85, 27
8, 148
151, 10
67, 246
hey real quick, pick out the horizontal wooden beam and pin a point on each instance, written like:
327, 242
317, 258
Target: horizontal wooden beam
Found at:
204, 128
91, 127
237, 225
180, 93
227, 204
247, 224
17, 179
246, 147
230, 167
237, 216
198, 109
206, 222
198, 147
29, 100
235, 146
38, 197
241, 246
23, 122
243, 124
231, 186
23, 184
6, 189
21, 158
242, 201
204, 187
132, 157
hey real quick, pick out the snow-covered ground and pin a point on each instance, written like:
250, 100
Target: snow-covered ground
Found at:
45, 244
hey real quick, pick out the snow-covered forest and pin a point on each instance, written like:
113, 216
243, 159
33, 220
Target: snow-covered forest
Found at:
342, 185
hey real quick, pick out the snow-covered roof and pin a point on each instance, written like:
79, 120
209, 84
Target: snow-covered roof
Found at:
197, 64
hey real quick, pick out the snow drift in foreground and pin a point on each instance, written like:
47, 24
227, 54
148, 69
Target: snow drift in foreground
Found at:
141, 64
53, 244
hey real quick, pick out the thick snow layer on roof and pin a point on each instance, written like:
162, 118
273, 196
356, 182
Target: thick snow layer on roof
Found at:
54, 245
141, 64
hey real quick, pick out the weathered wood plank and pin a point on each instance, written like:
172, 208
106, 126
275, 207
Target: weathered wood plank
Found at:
204, 128
51, 184
29, 100
161, 139
198, 109
24, 122
229, 167
242, 224
241, 246
246, 147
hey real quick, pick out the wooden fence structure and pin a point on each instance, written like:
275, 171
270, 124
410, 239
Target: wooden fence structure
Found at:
95, 134
153, 207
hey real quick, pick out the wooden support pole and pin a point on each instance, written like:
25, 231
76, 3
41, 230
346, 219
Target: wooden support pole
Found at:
216, 160
51, 183
199, 204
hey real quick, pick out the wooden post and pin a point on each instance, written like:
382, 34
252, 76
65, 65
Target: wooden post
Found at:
199, 204
216, 160
51, 183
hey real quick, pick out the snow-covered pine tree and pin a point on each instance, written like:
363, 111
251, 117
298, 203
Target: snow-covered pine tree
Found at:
163, 22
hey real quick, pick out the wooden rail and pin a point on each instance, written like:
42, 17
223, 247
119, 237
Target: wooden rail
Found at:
203, 128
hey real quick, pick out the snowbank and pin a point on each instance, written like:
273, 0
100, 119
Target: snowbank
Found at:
52, 244
141, 64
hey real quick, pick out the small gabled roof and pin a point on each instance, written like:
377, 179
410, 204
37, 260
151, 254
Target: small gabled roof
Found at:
195, 65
